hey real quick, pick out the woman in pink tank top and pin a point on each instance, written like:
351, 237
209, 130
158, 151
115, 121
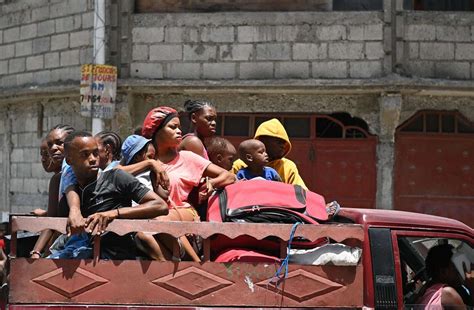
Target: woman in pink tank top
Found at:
444, 276
202, 115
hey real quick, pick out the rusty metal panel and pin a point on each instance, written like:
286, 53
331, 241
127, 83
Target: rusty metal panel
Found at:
434, 174
179, 284
345, 170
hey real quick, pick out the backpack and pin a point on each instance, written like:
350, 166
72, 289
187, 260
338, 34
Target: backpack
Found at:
262, 201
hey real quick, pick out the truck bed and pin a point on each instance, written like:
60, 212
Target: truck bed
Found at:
186, 284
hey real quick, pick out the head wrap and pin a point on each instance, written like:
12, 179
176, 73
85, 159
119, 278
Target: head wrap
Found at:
156, 119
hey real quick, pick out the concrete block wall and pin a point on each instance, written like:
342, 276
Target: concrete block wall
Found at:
264, 45
438, 45
44, 41
22, 127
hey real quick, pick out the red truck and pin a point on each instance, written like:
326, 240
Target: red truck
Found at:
388, 275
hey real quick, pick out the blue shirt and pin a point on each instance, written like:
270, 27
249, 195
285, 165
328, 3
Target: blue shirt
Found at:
269, 174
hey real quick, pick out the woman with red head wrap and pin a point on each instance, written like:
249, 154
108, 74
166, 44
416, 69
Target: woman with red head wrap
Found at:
184, 168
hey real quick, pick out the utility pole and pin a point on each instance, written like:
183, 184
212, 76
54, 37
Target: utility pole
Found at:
99, 51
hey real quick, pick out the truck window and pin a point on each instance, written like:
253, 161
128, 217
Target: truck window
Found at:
413, 252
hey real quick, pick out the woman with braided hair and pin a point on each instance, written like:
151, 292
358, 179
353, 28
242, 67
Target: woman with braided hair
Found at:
202, 115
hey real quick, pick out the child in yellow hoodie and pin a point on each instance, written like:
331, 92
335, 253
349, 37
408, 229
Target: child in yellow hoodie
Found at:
274, 136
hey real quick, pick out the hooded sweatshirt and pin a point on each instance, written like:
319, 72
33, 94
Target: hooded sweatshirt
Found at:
285, 167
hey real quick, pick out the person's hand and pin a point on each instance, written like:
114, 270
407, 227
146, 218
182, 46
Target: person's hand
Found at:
97, 222
39, 212
35, 254
160, 176
75, 223
204, 192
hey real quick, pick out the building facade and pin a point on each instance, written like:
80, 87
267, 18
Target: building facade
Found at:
378, 98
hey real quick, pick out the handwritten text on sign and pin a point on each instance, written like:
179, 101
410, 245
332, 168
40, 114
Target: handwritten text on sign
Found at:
98, 91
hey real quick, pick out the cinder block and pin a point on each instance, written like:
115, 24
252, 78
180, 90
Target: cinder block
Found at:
217, 34
42, 77
309, 51
69, 58
174, 34
465, 51
38, 172
39, 14
41, 45
24, 78
420, 33
17, 155
3, 67
140, 52
46, 28
413, 50
16, 185
420, 68
1, 36
436, 51
256, 33
24, 170
23, 48
7, 51
217, 71
87, 20
346, 50
286, 33
166, 52
199, 52
237, 52
256, 70
373, 32
331, 33
456, 34
59, 9
292, 70
355, 33
365, 69
86, 55
191, 34
80, 38
330, 69
146, 70
11, 34
77, 6
273, 51
28, 31
51, 60
374, 50
183, 71
453, 70
34, 63
59, 42
148, 35
30, 186
65, 24
16, 65
78, 22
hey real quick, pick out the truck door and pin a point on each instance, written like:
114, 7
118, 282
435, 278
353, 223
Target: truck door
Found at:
410, 251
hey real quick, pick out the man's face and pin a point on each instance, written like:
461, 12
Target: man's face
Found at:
275, 147
83, 157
